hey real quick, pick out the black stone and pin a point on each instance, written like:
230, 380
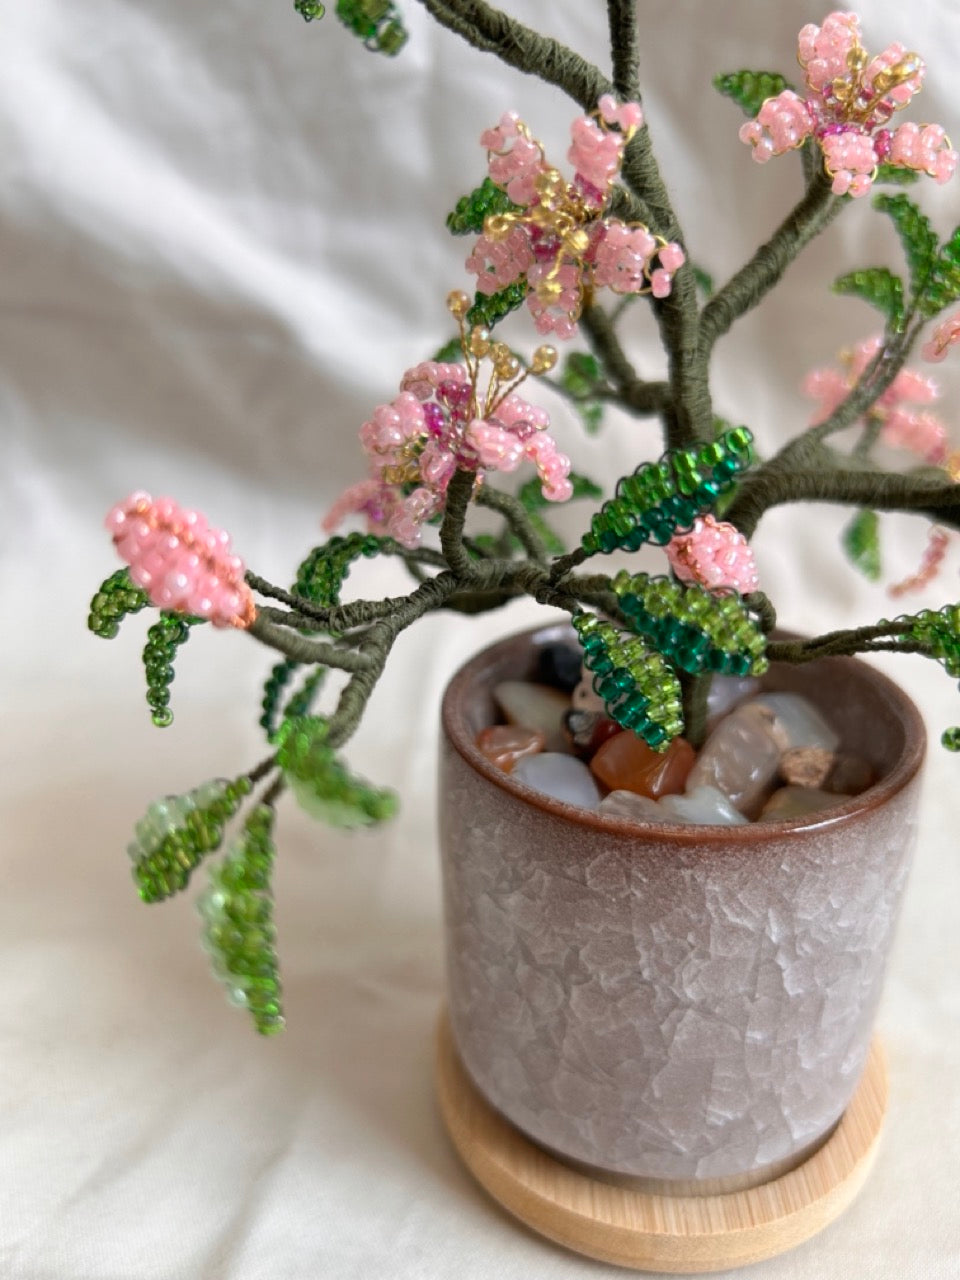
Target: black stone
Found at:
559, 666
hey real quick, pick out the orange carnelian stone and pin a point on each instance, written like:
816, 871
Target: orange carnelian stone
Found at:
626, 763
505, 744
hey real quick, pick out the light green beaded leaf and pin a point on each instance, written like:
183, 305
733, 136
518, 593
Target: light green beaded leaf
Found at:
750, 89
322, 784
450, 353
473, 209
177, 832
659, 498
116, 598
877, 286
377, 22
937, 632
919, 240
861, 542
639, 687
309, 9
696, 629
238, 930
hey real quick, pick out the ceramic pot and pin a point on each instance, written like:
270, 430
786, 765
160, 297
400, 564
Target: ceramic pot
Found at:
688, 1005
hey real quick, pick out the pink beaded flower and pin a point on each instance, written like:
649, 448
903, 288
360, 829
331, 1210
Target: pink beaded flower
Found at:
944, 336
440, 423
558, 241
902, 426
715, 555
850, 99
180, 561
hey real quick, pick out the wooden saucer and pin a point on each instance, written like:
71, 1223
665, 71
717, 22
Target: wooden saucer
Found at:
676, 1234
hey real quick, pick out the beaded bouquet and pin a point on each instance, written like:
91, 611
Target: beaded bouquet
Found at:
575, 248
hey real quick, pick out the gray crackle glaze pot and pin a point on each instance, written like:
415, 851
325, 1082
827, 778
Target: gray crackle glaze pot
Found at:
689, 1005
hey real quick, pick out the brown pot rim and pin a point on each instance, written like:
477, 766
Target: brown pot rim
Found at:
455, 730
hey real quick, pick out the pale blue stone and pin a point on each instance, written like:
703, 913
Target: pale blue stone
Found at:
703, 806
560, 776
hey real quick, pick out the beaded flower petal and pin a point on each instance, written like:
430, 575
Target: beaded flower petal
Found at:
557, 241
850, 99
443, 422
182, 563
901, 425
714, 554
944, 336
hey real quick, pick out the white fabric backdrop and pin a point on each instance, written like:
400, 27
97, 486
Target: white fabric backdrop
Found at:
222, 243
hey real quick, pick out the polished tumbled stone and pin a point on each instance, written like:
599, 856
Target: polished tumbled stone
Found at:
562, 776
798, 802
627, 804
505, 744
740, 758
626, 763
534, 706
703, 806
727, 692
796, 722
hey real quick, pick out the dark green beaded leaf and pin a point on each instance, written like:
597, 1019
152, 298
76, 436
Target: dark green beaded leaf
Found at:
321, 782
919, 240
943, 285
897, 174
322, 574
164, 638
450, 353
472, 210
273, 688
937, 634
877, 286
490, 308
238, 930
659, 498
639, 687
695, 629
309, 9
177, 832
703, 280
376, 22
861, 542
750, 89
300, 702
116, 598
581, 377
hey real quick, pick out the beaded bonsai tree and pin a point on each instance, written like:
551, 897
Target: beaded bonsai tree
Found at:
575, 248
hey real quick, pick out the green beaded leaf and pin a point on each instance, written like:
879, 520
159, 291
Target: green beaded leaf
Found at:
897, 174
490, 308
861, 542
164, 638
322, 574
697, 630
937, 633
322, 784
662, 497
450, 353
116, 598
750, 89
703, 279
917, 236
274, 685
177, 832
309, 9
943, 286
238, 930
377, 22
581, 378
878, 286
472, 210
639, 687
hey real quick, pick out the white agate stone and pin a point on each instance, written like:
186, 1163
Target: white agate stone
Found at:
796, 722
563, 777
740, 758
702, 805
627, 804
534, 706
727, 692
